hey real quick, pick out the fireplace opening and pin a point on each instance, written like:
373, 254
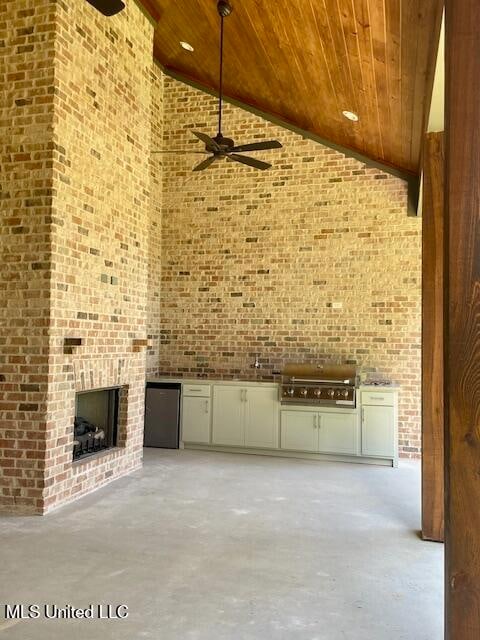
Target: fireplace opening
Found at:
96, 422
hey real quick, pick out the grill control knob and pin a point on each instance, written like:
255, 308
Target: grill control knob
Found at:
345, 393
317, 393
331, 393
303, 392
291, 391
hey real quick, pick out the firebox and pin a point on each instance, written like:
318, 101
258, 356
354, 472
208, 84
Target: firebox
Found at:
96, 421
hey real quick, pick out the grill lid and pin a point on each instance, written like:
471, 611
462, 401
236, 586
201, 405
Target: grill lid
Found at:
328, 373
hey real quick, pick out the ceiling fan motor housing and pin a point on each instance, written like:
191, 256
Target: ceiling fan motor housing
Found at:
108, 7
224, 8
224, 143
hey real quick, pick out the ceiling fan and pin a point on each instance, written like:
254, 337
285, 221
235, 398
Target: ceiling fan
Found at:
221, 147
108, 7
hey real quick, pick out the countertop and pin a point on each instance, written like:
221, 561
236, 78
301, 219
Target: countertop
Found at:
379, 388
214, 380
254, 381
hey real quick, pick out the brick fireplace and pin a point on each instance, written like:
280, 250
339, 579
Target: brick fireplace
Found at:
76, 214
67, 478
96, 426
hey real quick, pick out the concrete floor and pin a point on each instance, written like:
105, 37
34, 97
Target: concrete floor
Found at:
210, 546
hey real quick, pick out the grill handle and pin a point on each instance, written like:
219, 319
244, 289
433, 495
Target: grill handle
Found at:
293, 380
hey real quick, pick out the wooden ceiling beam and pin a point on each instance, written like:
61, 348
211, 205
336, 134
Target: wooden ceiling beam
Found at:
151, 8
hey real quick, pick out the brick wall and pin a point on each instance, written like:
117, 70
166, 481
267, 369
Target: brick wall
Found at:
75, 193
27, 40
155, 223
102, 132
255, 262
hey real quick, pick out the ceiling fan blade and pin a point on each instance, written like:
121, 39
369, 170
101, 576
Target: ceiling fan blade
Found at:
108, 7
180, 151
252, 162
259, 146
207, 140
205, 164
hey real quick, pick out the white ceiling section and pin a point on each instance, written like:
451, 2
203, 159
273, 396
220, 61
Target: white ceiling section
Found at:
436, 120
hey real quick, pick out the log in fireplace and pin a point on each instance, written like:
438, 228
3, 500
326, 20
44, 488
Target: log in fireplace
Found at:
96, 422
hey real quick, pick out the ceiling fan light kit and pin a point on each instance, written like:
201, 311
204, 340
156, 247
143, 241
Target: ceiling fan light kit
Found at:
221, 147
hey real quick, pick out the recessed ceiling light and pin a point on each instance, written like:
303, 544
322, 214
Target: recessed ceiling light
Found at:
351, 116
186, 46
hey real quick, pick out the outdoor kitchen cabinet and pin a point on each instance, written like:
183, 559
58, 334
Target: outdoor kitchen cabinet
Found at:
379, 424
196, 414
338, 433
320, 431
228, 416
251, 417
299, 431
261, 417
245, 416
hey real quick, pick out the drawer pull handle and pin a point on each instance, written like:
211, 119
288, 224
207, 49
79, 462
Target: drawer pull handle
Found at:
377, 397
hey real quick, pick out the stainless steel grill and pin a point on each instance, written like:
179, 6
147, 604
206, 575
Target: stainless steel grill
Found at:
325, 385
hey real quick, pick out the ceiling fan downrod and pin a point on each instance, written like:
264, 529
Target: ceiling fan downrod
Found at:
220, 147
224, 10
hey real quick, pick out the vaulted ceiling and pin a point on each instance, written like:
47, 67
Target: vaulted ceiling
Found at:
306, 61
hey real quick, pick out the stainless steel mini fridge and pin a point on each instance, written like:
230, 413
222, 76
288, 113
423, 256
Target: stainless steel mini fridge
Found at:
162, 415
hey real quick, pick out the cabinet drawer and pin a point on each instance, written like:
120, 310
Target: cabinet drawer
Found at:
377, 398
202, 390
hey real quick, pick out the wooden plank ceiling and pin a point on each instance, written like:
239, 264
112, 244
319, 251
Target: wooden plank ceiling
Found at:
306, 61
